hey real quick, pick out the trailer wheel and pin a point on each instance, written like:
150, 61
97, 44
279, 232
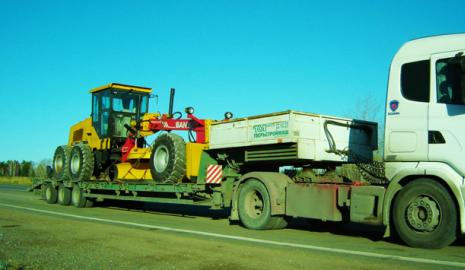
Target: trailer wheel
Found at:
60, 162
50, 194
81, 162
255, 207
78, 199
43, 191
425, 215
64, 195
168, 158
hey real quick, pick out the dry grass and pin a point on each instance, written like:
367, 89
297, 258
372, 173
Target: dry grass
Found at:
15, 180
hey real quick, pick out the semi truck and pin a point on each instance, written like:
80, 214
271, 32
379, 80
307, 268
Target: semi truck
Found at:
267, 169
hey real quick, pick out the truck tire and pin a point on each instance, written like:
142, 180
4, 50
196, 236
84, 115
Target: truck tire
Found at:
78, 199
168, 158
50, 194
425, 215
81, 162
64, 195
255, 207
61, 162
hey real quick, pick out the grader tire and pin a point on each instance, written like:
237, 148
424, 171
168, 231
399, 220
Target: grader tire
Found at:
168, 158
61, 162
81, 162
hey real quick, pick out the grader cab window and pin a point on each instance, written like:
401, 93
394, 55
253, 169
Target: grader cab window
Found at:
125, 103
112, 109
126, 107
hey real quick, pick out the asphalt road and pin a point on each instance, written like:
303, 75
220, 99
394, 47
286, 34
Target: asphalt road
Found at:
36, 235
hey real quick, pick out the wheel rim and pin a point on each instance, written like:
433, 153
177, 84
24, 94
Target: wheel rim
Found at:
60, 194
75, 195
48, 193
160, 159
58, 164
255, 204
75, 164
423, 214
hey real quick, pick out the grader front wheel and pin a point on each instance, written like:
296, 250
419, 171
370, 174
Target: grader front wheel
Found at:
168, 158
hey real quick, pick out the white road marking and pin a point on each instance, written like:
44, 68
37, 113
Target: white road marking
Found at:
248, 239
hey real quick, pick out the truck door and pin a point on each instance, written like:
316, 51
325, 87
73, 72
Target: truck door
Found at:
446, 123
407, 108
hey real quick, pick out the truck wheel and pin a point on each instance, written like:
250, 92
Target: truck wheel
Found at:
60, 162
425, 215
255, 207
64, 195
81, 162
50, 194
77, 197
168, 158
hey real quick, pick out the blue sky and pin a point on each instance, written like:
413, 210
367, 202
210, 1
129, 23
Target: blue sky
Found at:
248, 57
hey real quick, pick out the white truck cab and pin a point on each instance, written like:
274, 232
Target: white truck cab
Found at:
425, 140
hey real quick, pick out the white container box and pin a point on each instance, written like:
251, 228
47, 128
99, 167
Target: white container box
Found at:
306, 130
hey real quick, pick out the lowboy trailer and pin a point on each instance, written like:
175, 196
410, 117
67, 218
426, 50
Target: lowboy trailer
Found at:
269, 168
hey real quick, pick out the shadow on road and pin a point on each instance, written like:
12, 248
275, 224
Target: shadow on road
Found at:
374, 233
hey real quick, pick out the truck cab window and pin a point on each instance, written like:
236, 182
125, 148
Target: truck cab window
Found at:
448, 82
415, 80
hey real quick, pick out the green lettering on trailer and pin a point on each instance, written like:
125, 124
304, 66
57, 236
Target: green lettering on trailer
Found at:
270, 130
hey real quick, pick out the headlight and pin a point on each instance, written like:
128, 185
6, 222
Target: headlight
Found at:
189, 110
228, 115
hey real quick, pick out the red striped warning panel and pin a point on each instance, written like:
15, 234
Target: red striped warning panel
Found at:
214, 174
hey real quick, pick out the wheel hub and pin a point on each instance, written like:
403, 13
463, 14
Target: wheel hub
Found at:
58, 163
256, 204
75, 163
160, 160
423, 214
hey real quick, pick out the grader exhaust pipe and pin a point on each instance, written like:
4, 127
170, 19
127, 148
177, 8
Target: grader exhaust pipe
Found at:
170, 108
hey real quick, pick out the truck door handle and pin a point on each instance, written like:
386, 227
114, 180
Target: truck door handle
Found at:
435, 137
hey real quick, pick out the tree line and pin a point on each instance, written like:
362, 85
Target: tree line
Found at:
12, 168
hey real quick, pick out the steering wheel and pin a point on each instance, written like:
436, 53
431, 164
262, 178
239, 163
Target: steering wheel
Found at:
130, 129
